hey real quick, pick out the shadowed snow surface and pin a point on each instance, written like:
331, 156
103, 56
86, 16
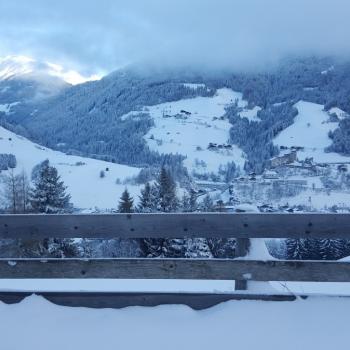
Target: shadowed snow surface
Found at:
317, 323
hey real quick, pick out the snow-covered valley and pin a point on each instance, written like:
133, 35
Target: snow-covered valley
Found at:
198, 129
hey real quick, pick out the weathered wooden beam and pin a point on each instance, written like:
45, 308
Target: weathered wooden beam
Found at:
242, 250
98, 300
176, 226
211, 269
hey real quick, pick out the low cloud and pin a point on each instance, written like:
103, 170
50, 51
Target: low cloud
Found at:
100, 36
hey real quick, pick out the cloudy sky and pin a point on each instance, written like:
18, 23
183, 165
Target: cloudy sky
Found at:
101, 35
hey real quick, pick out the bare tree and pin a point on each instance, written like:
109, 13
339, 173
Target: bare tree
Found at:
15, 192
10, 191
24, 189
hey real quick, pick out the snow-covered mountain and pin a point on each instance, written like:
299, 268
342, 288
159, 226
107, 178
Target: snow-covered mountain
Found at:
23, 67
82, 175
90, 118
25, 80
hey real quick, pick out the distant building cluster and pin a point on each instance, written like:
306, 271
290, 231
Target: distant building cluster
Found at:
214, 146
288, 158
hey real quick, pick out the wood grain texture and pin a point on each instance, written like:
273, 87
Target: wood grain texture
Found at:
242, 250
211, 269
196, 301
210, 225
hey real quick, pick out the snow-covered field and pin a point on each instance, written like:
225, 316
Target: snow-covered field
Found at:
191, 136
339, 112
190, 133
81, 175
319, 201
6, 108
251, 114
310, 130
316, 323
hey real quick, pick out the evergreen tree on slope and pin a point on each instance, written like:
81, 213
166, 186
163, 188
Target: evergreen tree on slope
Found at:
149, 203
49, 196
207, 205
194, 247
169, 203
167, 192
126, 203
149, 199
49, 193
161, 197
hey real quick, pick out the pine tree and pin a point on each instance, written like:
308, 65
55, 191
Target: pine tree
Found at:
126, 203
154, 198
185, 203
49, 196
37, 169
332, 249
302, 249
149, 203
189, 202
190, 247
193, 201
167, 192
221, 248
161, 197
294, 249
146, 203
197, 248
207, 204
168, 201
49, 192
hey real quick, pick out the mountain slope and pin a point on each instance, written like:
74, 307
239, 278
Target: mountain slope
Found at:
23, 67
310, 131
89, 119
24, 79
195, 128
81, 175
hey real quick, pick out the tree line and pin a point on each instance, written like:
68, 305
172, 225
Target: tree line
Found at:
47, 195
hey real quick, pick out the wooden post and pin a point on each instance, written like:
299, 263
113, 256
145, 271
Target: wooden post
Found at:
242, 249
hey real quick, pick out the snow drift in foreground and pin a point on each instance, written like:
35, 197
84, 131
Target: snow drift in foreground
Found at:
317, 323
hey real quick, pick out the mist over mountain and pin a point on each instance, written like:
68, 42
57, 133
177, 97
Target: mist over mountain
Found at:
202, 33
24, 79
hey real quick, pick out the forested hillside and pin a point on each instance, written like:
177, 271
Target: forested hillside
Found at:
87, 119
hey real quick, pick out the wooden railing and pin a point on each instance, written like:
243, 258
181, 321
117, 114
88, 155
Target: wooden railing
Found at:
207, 225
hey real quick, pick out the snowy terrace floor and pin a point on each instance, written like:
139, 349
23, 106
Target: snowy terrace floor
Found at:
315, 323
